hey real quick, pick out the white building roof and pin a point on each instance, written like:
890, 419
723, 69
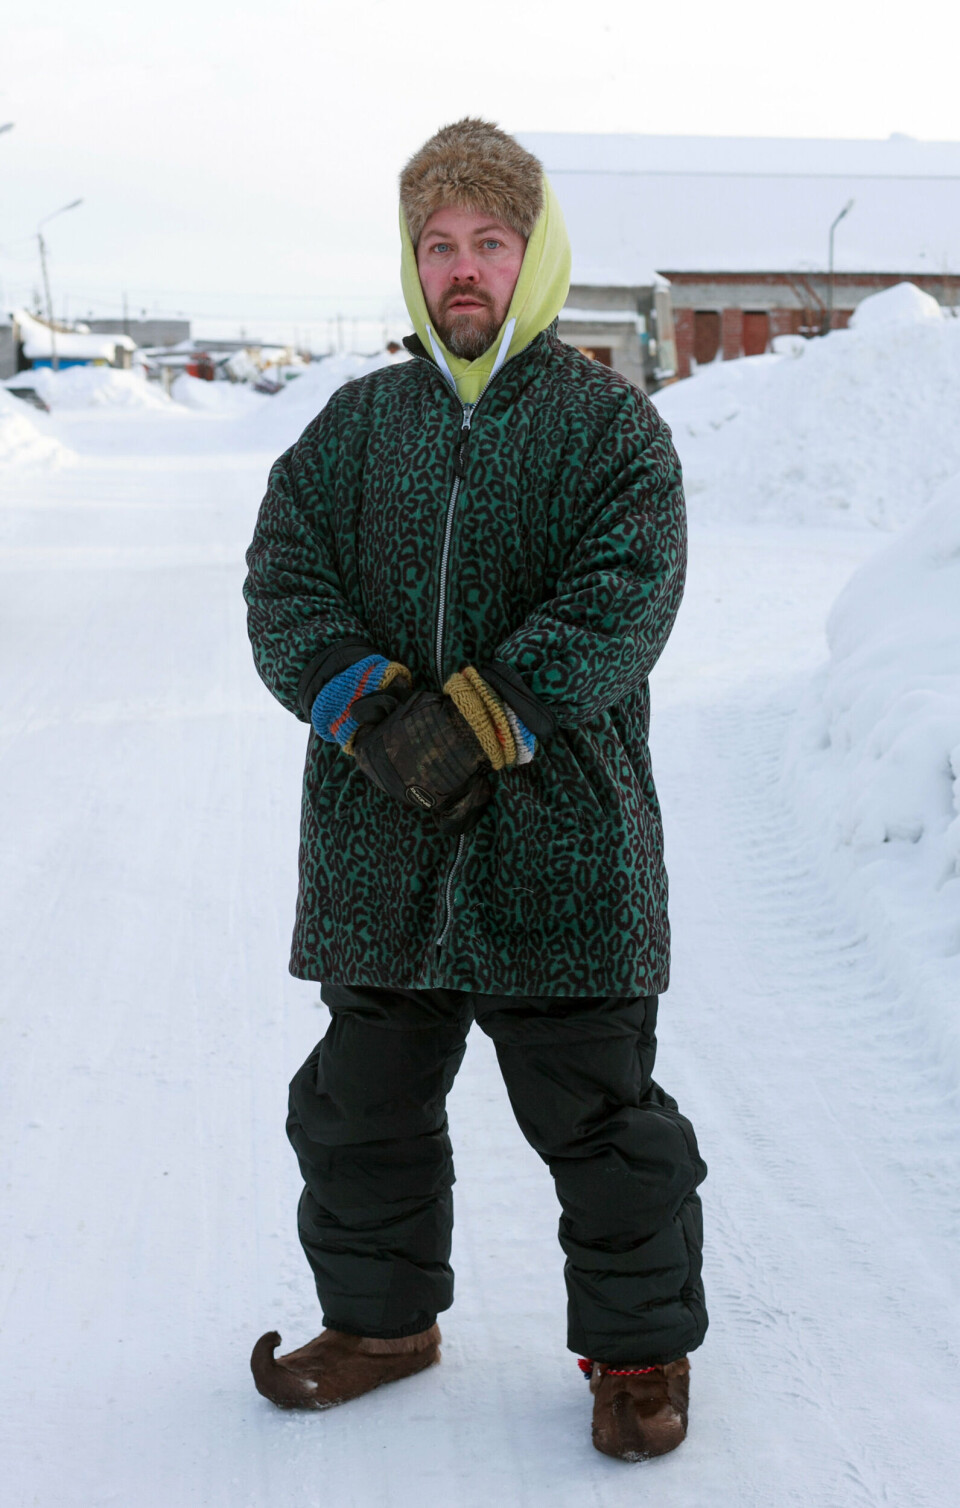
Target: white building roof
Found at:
743, 204
38, 344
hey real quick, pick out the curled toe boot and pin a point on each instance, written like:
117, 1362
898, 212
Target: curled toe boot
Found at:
638, 1412
336, 1367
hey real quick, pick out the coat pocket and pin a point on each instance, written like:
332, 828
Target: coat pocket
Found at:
585, 773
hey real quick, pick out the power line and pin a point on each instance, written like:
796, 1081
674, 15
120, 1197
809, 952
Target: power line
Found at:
389, 309
334, 297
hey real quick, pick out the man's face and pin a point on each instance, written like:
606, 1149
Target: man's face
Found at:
468, 264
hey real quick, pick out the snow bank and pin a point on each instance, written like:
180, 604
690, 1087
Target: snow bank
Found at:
96, 387
873, 760
287, 415
856, 428
223, 398
906, 304
24, 439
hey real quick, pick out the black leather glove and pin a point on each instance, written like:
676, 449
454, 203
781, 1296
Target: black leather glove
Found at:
424, 755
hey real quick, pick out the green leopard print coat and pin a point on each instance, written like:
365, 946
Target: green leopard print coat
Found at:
559, 550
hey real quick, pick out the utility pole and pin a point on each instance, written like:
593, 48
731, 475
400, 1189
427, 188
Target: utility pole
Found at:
54, 362
46, 288
126, 323
829, 320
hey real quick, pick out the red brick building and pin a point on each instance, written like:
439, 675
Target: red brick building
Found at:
722, 315
740, 227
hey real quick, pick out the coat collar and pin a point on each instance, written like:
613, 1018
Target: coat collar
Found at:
521, 366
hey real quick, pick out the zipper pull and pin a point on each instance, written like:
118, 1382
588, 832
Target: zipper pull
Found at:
460, 460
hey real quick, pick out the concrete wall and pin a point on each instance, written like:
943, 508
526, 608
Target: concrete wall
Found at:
8, 353
146, 332
623, 340
795, 290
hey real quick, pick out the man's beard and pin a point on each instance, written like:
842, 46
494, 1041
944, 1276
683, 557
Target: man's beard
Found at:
468, 335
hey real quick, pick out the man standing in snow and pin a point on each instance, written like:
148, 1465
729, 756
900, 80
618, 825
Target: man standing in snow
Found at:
461, 576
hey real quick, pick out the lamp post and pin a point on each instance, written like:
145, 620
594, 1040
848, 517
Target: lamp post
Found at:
829, 321
55, 364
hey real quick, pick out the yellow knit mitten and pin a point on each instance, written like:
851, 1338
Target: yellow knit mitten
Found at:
480, 706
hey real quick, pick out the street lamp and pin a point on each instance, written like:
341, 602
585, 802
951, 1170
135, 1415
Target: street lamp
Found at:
55, 364
829, 320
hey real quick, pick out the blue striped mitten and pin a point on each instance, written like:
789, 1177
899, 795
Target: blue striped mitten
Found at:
333, 710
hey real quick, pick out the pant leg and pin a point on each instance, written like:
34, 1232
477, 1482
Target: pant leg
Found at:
625, 1163
368, 1123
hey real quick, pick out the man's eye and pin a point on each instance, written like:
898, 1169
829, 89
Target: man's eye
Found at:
442, 246
491, 244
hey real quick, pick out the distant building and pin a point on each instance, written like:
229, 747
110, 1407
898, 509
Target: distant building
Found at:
628, 328
8, 352
36, 343
146, 332
739, 227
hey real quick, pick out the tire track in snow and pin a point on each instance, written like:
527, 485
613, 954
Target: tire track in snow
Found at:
828, 1259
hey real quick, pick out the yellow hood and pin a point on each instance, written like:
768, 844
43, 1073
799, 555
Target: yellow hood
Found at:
540, 294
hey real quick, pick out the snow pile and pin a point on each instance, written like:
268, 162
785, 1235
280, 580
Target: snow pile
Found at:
221, 398
23, 436
96, 387
906, 304
874, 754
859, 427
289, 413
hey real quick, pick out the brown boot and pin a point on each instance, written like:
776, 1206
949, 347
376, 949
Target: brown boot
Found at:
336, 1367
639, 1412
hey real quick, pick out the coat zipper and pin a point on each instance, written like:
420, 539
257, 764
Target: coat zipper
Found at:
469, 409
448, 891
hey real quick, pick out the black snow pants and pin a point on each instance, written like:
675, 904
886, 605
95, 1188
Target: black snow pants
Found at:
368, 1123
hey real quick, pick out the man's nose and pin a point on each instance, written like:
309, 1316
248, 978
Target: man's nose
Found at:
465, 270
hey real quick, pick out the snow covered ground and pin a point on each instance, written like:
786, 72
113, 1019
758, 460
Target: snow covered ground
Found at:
149, 1029
95, 387
873, 758
25, 438
860, 428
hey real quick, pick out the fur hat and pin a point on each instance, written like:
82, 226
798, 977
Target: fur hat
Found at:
472, 165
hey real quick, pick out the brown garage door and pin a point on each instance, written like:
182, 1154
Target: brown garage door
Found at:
706, 336
756, 333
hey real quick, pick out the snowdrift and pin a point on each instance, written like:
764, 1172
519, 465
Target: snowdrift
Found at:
220, 398
24, 440
285, 417
873, 759
96, 387
859, 427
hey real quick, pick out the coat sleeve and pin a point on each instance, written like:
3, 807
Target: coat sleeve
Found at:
599, 636
302, 628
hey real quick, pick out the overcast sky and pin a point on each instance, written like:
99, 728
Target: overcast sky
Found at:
238, 161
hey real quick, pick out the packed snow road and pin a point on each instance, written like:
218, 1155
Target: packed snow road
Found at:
149, 1031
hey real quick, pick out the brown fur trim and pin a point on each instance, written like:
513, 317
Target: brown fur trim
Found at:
679, 1368
472, 164
371, 1346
